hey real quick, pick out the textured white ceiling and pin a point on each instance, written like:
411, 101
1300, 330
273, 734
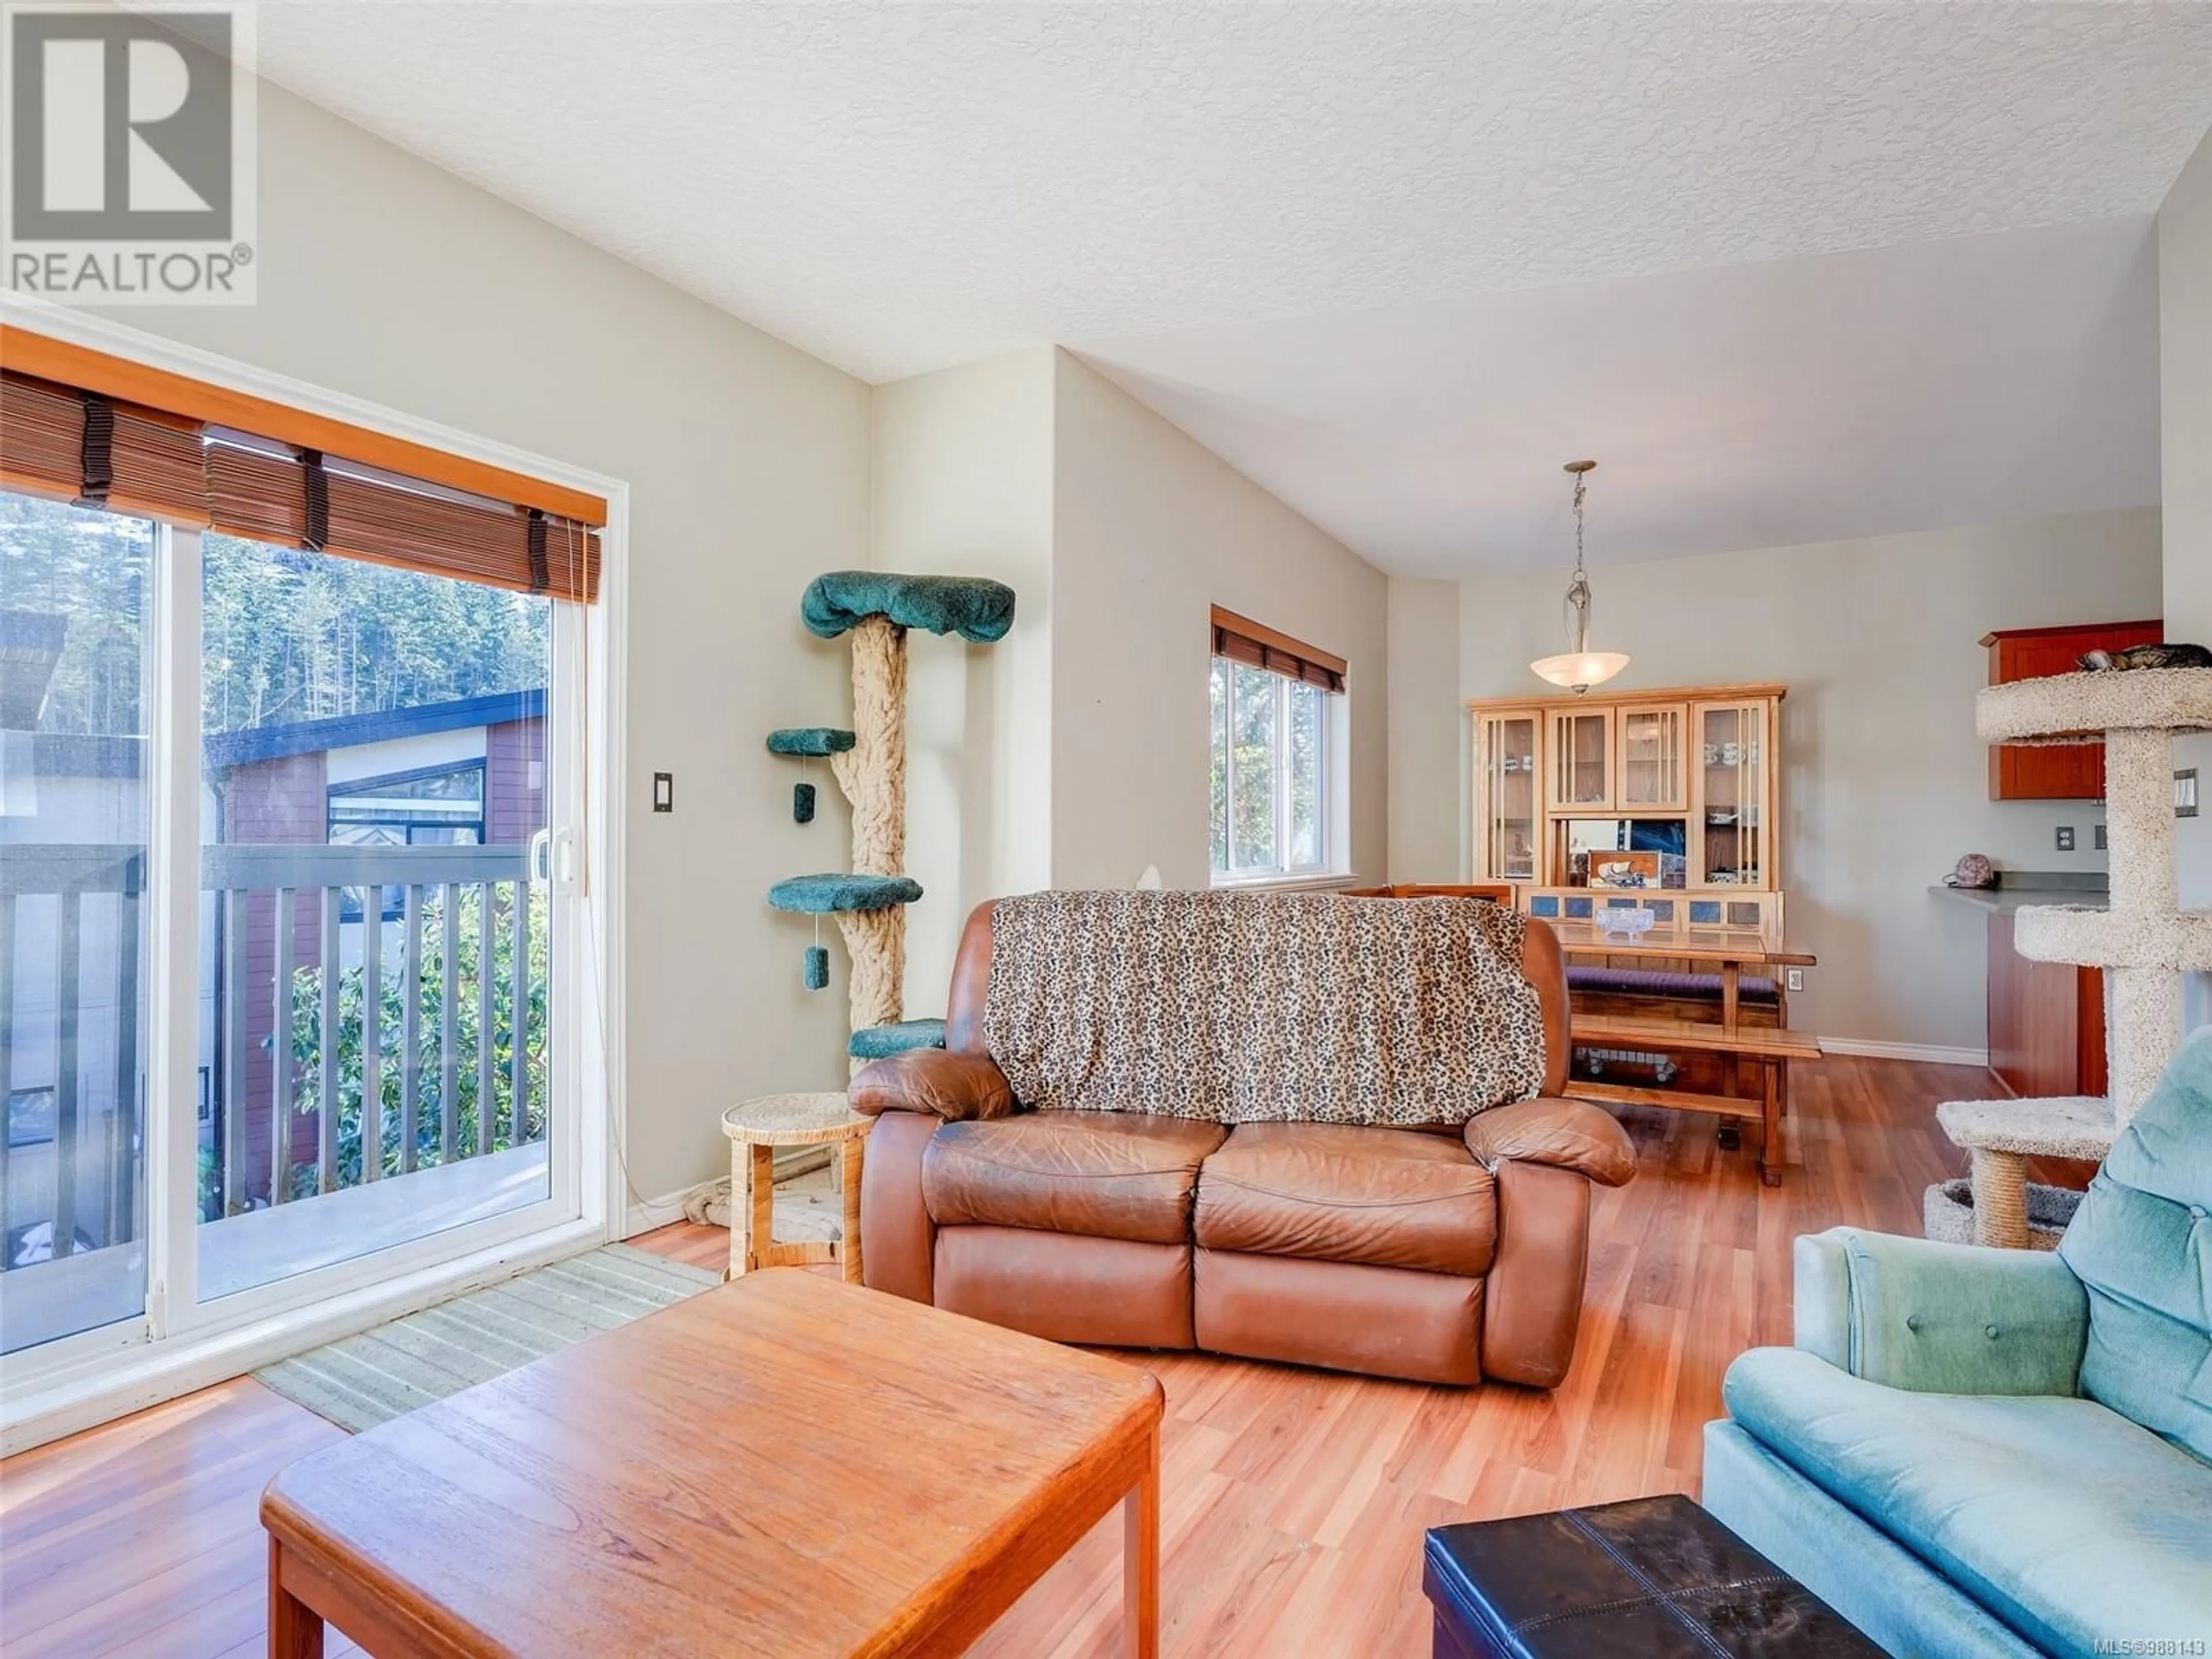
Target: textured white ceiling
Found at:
896, 188
1975, 381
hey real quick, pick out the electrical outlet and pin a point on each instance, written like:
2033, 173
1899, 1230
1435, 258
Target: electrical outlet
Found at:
664, 792
2065, 837
1794, 979
2098, 838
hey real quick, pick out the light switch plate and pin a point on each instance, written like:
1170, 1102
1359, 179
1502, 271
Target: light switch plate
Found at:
664, 792
2097, 838
2065, 837
2184, 793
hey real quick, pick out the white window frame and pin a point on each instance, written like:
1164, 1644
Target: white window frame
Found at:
180, 1343
1329, 865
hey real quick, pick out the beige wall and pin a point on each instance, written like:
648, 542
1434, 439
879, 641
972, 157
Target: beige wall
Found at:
1074, 753
963, 486
1150, 530
1427, 801
383, 277
2185, 311
1886, 784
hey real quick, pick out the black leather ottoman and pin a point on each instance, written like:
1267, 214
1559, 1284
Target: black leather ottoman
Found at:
1652, 1578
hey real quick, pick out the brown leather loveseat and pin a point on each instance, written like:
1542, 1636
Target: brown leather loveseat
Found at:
1439, 1253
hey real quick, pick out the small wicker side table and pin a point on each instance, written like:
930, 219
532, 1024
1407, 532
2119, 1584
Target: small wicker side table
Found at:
756, 1129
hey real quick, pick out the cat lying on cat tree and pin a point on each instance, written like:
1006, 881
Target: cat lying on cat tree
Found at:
2147, 656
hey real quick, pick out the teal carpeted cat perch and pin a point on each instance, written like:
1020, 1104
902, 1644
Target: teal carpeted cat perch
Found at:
808, 742
879, 1042
833, 894
877, 608
815, 740
980, 611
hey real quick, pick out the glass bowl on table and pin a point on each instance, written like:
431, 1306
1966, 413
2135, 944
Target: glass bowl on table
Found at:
1626, 920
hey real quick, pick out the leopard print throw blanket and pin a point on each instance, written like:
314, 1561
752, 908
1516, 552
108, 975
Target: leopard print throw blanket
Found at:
1241, 1008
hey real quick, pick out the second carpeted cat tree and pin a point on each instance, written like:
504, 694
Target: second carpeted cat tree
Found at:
877, 609
2145, 942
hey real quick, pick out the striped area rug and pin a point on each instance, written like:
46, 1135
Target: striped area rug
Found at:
362, 1380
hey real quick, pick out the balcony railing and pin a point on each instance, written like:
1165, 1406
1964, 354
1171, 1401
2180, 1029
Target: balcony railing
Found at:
404, 934
364, 1012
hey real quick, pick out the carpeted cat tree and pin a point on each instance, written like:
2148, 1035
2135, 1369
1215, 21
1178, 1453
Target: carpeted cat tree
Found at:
877, 609
2144, 942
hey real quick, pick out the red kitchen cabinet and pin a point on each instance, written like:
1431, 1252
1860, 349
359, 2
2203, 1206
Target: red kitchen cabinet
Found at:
2061, 771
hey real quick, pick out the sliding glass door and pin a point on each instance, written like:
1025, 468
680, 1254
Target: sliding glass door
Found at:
287, 909
372, 961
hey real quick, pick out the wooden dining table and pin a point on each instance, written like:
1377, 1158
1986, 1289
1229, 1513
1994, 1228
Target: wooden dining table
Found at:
1767, 1051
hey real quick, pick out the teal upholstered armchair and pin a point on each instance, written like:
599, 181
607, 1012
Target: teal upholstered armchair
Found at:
1975, 1452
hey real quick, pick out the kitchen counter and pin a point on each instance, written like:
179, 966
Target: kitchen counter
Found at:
2046, 1019
2003, 900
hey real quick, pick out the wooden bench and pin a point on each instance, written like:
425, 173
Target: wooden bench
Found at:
1768, 1049
1643, 992
1497, 892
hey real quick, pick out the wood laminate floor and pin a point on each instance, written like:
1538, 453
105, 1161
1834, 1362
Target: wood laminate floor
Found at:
1294, 1500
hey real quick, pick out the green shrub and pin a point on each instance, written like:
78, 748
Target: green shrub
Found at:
438, 979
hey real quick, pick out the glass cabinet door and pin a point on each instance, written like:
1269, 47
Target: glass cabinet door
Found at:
1510, 829
1582, 757
1733, 780
1651, 772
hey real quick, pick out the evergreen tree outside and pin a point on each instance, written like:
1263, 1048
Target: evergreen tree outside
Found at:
286, 635
289, 635
87, 568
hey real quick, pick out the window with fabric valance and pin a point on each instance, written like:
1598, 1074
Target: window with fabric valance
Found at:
1273, 734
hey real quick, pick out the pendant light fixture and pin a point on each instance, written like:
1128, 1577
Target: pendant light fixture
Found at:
1579, 666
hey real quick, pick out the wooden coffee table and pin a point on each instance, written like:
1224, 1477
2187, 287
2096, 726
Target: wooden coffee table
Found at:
784, 1466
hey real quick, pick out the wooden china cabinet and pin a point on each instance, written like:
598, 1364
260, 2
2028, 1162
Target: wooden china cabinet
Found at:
1656, 791
1665, 805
